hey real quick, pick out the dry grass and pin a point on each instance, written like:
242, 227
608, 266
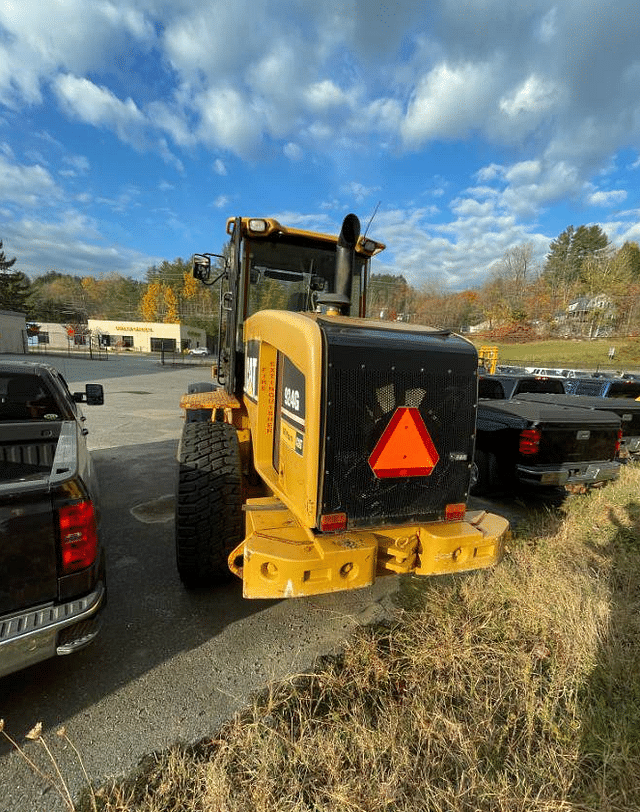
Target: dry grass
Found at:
570, 353
512, 690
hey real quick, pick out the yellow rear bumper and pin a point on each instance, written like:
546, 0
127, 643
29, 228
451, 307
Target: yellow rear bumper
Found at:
279, 559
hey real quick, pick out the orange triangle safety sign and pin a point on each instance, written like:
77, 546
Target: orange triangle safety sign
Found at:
405, 448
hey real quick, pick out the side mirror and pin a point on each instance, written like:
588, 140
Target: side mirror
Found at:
93, 395
201, 267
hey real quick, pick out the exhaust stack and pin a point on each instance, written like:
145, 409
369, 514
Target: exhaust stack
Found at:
338, 301
344, 255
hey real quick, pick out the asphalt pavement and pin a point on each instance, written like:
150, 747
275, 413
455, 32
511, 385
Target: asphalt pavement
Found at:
169, 665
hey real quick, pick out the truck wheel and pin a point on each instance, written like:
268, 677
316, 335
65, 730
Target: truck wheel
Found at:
208, 503
487, 477
199, 415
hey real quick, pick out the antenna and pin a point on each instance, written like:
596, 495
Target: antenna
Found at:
371, 219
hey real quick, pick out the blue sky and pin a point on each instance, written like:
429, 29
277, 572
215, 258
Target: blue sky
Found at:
129, 132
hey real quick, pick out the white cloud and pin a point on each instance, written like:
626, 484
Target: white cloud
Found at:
172, 120
99, 106
533, 96
293, 151
345, 87
489, 173
26, 185
523, 172
453, 255
611, 198
448, 101
79, 162
72, 243
323, 95
228, 122
43, 36
358, 191
381, 114
547, 30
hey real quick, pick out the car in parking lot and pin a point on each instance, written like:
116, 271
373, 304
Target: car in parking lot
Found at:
52, 563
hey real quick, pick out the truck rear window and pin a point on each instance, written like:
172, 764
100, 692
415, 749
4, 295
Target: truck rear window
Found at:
26, 397
548, 386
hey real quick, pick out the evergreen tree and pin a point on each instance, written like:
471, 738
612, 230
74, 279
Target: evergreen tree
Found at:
14, 286
568, 252
559, 265
562, 273
587, 242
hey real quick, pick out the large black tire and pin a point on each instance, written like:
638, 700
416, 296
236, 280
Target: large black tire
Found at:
209, 521
199, 415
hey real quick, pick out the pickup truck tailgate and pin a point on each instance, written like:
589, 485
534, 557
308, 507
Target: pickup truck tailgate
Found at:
28, 542
28, 557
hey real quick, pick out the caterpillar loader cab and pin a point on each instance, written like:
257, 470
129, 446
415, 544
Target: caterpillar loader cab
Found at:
330, 448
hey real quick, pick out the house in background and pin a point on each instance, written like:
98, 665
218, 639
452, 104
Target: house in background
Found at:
591, 316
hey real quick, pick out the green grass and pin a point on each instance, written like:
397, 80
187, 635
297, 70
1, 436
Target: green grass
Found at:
571, 353
514, 689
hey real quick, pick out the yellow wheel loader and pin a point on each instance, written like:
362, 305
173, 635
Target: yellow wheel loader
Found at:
329, 448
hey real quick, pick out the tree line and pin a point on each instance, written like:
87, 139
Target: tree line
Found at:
585, 286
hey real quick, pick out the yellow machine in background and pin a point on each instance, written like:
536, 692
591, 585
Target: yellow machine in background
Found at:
331, 448
488, 359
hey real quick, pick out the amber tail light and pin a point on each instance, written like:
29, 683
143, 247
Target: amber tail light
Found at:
78, 536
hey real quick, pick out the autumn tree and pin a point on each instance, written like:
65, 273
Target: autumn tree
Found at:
170, 306
504, 295
151, 304
388, 296
173, 293
629, 258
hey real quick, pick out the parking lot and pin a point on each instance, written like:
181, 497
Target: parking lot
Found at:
168, 664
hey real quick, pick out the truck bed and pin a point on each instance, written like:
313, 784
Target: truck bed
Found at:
27, 450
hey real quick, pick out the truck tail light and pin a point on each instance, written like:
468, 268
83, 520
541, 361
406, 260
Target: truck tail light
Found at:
78, 536
529, 441
618, 441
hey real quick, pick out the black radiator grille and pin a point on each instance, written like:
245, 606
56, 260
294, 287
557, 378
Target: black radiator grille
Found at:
364, 387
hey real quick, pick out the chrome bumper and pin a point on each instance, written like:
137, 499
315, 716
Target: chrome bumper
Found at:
586, 473
630, 447
31, 636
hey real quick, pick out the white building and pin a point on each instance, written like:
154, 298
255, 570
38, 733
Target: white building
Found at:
145, 336
13, 332
50, 336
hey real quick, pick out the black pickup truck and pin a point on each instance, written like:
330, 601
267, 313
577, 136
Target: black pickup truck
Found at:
550, 390
604, 387
52, 569
521, 442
